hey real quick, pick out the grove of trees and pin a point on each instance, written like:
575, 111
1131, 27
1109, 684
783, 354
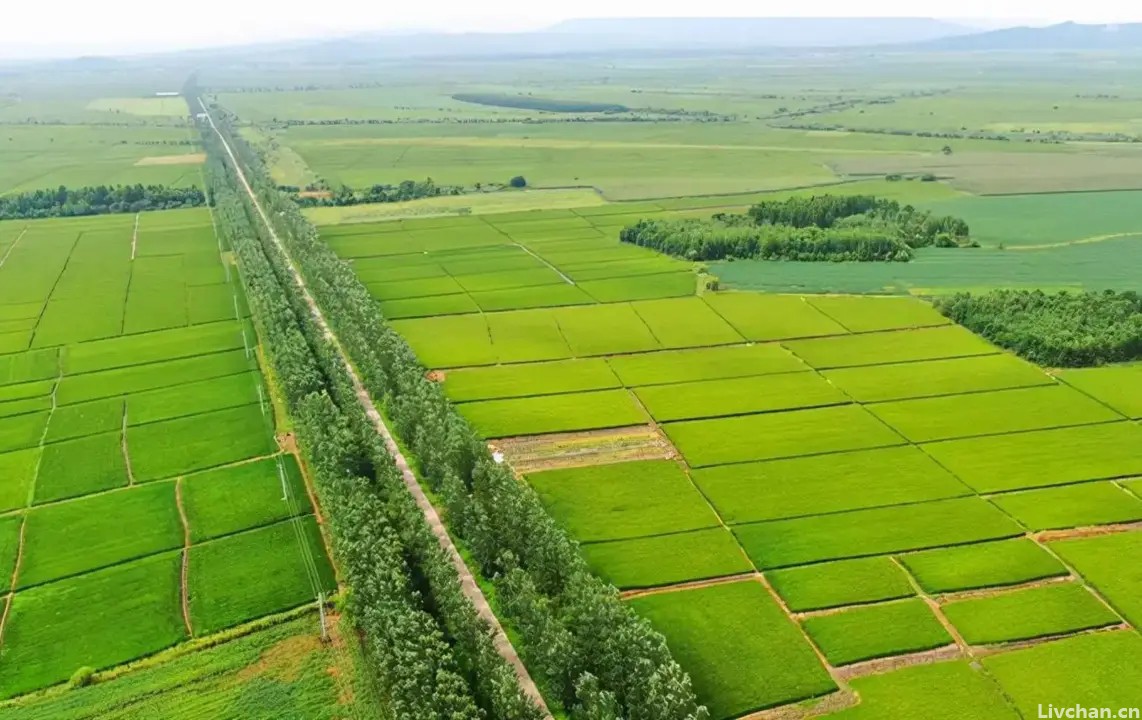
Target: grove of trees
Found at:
97, 200
822, 227
405, 190
1066, 329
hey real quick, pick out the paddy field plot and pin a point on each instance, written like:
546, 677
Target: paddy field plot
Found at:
625, 500
843, 582
1099, 560
679, 366
981, 565
739, 396
638, 562
1087, 670
783, 543
772, 317
929, 378
817, 484
773, 664
1042, 458
553, 413
1053, 609
545, 378
1118, 386
1070, 506
871, 313
964, 694
890, 347
991, 413
880, 630
797, 432
138, 369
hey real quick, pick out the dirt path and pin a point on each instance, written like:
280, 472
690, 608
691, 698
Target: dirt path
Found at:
135, 236
126, 454
558, 272
11, 597
467, 581
13, 246
184, 592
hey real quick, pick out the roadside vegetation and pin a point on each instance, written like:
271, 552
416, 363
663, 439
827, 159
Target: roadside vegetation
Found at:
588, 650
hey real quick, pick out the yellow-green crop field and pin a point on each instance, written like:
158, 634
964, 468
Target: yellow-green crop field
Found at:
144, 499
849, 484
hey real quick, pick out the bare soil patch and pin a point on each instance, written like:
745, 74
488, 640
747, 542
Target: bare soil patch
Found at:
888, 664
284, 661
1075, 533
578, 449
188, 159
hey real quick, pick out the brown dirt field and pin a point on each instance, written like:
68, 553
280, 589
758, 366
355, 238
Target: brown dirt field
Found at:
436, 376
888, 664
694, 585
1053, 535
288, 443
578, 449
945, 598
188, 159
285, 660
315, 194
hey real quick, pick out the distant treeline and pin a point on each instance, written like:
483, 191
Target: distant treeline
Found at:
97, 200
1051, 137
406, 190
638, 116
1055, 330
822, 227
528, 102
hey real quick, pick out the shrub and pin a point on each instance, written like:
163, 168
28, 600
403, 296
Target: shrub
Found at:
82, 677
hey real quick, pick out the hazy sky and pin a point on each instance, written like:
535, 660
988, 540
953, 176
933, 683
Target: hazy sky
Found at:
122, 26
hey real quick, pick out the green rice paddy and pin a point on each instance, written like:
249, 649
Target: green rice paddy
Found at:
130, 407
842, 455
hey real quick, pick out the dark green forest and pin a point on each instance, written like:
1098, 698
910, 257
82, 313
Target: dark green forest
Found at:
97, 200
1054, 330
819, 228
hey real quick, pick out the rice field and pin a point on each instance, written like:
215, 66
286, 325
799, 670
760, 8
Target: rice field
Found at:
137, 437
821, 483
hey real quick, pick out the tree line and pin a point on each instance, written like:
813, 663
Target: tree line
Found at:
591, 653
821, 227
428, 651
1066, 329
97, 200
405, 190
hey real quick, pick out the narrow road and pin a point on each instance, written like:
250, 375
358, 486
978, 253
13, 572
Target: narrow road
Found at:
467, 581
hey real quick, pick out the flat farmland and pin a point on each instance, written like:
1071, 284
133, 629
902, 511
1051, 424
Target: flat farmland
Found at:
858, 464
140, 476
38, 156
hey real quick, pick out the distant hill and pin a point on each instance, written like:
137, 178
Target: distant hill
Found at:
764, 32
637, 35
1065, 36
